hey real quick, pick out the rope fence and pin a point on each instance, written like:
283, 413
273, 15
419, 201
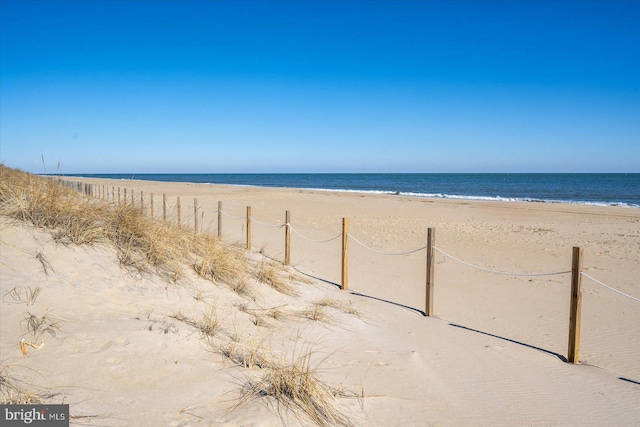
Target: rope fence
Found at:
505, 273
576, 267
610, 288
313, 240
386, 253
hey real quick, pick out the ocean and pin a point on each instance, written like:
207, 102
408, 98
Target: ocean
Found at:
606, 189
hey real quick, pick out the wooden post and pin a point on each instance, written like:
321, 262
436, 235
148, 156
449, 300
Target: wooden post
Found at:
164, 207
248, 228
219, 220
141, 202
125, 196
132, 201
151, 205
178, 209
119, 201
195, 215
287, 238
431, 239
344, 284
575, 313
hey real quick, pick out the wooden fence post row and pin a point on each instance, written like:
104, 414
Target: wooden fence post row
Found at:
575, 312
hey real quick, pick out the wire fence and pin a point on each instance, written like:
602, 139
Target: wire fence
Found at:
576, 270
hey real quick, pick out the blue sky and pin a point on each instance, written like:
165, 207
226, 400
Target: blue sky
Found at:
320, 86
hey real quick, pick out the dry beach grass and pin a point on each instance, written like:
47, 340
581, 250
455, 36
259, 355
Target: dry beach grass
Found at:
146, 246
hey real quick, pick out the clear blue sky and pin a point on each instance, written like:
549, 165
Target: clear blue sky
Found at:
320, 86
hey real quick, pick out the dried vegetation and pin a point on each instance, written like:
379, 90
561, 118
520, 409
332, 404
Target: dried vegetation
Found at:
145, 245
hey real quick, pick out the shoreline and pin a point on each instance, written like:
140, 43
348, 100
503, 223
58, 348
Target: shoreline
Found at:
436, 195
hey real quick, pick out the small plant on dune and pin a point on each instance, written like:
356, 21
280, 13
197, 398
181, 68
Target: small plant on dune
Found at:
338, 305
296, 386
46, 265
13, 392
252, 355
273, 274
141, 242
276, 313
258, 319
316, 312
39, 325
209, 326
20, 294
221, 262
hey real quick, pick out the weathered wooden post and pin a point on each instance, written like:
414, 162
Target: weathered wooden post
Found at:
178, 210
164, 207
287, 237
219, 220
575, 313
344, 284
141, 202
195, 215
151, 205
431, 239
248, 227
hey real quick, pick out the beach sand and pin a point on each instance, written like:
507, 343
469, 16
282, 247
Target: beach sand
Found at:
493, 354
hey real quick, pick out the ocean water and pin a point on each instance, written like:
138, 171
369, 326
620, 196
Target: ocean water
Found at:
612, 189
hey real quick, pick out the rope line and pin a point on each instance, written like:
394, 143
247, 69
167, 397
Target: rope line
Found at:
312, 240
609, 287
385, 253
231, 216
267, 225
506, 273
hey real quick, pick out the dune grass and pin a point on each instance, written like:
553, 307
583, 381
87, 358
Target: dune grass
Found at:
14, 392
145, 245
296, 385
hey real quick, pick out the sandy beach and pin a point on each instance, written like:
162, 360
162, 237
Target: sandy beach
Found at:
493, 354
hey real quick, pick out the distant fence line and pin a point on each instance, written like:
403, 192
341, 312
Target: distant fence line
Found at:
102, 192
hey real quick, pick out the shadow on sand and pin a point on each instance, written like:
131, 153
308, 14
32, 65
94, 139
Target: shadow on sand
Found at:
466, 328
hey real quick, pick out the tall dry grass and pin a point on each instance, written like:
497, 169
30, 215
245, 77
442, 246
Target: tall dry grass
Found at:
144, 244
296, 385
147, 245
